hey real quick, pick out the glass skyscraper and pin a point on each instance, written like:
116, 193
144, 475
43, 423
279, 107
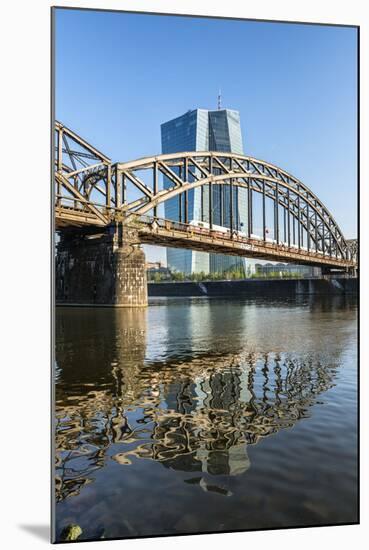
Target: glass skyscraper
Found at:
203, 130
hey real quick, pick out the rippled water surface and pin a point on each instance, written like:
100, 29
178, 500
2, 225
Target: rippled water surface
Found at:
206, 415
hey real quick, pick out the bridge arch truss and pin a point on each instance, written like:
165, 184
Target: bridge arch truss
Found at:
92, 190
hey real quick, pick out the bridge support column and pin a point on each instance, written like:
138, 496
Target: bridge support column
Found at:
100, 267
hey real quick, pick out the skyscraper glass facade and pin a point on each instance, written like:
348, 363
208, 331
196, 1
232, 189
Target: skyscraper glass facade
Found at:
203, 130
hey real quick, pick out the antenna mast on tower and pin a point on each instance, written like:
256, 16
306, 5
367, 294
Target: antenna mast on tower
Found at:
219, 99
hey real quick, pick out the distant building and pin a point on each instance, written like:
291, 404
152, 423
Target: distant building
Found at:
286, 269
203, 130
153, 265
157, 270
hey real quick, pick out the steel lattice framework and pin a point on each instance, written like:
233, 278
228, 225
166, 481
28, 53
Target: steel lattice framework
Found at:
90, 190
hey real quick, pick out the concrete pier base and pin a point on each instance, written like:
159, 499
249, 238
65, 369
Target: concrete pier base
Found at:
100, 268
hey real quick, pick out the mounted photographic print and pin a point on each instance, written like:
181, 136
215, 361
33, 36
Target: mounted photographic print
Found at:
205, 182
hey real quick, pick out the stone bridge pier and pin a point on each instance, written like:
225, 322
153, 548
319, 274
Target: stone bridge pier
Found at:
100, 267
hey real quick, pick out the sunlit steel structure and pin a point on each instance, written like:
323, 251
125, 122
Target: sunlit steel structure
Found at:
286, 220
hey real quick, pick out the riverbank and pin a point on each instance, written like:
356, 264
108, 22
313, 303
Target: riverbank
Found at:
255, 287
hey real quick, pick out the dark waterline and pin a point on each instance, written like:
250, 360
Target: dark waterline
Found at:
206, 415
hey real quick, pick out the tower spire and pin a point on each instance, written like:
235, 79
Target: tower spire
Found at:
219, 99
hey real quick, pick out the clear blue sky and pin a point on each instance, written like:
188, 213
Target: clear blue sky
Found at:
119, 76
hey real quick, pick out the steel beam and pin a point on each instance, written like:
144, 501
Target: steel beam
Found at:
263, 207
276, 215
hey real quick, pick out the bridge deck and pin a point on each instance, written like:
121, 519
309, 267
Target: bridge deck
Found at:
72, 217
179, 235
173, 234
168, 233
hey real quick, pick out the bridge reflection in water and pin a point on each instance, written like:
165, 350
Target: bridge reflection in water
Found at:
125, 395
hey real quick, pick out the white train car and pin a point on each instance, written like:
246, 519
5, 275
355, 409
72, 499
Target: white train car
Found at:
206, 225
199, 224
271, 241
220, 229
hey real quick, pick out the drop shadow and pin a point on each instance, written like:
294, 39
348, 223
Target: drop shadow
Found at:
40, 531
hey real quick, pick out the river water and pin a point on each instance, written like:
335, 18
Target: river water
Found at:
200, 415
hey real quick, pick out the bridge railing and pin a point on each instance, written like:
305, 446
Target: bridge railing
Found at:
190, 229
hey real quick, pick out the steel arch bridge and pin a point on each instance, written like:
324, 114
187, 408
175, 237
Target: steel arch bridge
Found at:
285, 220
